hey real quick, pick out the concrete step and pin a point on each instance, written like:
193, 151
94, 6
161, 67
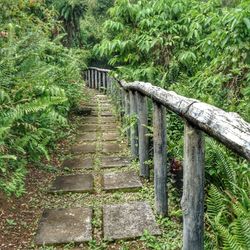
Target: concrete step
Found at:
81, 183
114, 161
124, 181
64, 225
78, 163
128, 221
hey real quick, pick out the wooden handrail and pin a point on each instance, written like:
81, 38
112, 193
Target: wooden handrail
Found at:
228, 128
101, 70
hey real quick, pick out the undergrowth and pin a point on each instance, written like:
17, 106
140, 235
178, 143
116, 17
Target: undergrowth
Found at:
40, 80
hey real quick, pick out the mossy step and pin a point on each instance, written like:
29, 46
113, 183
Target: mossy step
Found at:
81, 183
128, 221
78, 163
64, 225
124, 181
114, 161
86, 148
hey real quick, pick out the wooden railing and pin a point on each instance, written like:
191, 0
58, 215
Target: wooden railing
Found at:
228, 128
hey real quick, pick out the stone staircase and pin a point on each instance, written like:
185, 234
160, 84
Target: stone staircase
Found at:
99, 165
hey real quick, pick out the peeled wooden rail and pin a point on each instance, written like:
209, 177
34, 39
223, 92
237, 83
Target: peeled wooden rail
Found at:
228, 128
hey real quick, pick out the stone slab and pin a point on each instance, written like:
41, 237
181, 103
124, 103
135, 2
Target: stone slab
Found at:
78, 163
125, 181
93, 107
109, 127
91, 120
81, 183
114, 161
89, 128
112, 136
101, 97
107, 120
89, 136
64, 225
106, 114
128, 221
106, 106
84, 148
111, 147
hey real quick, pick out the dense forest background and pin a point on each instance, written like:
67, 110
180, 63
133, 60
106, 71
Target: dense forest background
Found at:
200, 49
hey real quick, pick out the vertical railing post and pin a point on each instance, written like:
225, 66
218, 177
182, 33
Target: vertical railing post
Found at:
104, 82
127, 113
160, 159
122, 104
96, 79
193, 189
99, 80
93, 79
88, 83
142, 109
134, 127
90, 78
108, 84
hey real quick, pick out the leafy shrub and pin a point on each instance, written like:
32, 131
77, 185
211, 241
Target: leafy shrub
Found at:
39, 83
199, 49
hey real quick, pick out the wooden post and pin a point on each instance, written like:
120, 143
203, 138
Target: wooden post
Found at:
104, 81
99, 80
134, 127
193, 189
127, 112
143, 139
96, 79
160, 159
89, 77
92, 78
108, 85
122, 104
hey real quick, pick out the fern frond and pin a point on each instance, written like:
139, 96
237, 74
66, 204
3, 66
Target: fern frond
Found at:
241, 230
229, 241
226, 166
215, 202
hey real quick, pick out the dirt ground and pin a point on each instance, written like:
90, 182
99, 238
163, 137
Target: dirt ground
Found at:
19, 215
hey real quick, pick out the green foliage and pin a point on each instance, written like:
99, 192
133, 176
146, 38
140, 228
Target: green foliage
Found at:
39, 82
92, 26
70, 13
197, 48
228, 203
